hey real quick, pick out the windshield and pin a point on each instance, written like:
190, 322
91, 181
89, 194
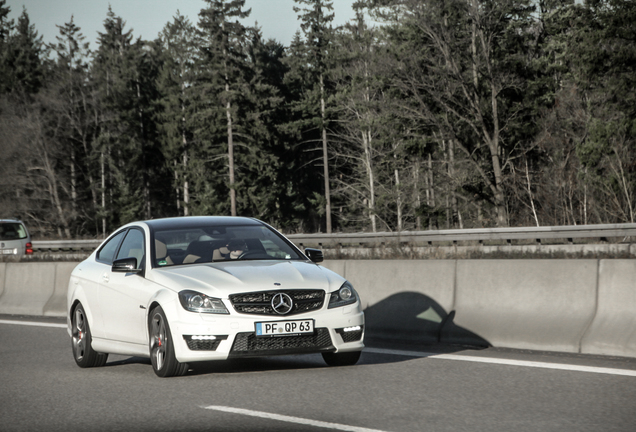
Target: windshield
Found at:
220, 243
12, 231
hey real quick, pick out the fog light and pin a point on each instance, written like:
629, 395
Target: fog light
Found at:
351, 334
202, 337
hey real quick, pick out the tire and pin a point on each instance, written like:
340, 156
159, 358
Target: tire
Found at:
341, 359
83, 353
162, 357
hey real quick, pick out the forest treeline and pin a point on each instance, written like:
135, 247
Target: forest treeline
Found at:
417, 114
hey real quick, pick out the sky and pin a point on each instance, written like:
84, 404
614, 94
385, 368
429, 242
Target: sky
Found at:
147, 18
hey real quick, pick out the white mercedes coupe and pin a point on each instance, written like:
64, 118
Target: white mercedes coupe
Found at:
189, 289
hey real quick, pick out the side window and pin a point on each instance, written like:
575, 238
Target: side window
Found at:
133, 246
107, 252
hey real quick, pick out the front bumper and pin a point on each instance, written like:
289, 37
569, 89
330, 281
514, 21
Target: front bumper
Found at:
204, 337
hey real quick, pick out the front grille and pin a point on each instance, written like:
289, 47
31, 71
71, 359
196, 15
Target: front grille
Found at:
203, 345
350, 336
247, 344
261, 302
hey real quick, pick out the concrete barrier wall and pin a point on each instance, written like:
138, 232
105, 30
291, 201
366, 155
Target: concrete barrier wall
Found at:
613, 331
27, 288
3, 269
56, 306
525, 304
586, 306
37, 288
411, 298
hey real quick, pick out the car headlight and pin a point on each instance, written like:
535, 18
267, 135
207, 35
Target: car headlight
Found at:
196, 302
344, 296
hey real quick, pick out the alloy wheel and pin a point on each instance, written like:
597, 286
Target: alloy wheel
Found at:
79, 334
158, 341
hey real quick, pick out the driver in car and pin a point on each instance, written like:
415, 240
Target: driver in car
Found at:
236, 247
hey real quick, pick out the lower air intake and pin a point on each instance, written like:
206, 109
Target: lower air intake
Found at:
248, 345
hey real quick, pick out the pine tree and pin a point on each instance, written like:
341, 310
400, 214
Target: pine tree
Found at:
261, 143
359, 95
6, 67
25, 56
223, 74
602, 58
305, 194
71, 99
460, 67
178, 75
125, 74
316, 26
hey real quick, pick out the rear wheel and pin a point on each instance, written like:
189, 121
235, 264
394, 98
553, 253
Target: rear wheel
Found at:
341, 359
83, 352
162, 357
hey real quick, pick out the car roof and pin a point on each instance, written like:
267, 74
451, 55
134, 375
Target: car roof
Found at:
199, 221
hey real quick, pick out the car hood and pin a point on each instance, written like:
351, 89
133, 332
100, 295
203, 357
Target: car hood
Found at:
223, 278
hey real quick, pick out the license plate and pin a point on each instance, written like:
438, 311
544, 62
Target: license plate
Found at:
285, 328
9, 251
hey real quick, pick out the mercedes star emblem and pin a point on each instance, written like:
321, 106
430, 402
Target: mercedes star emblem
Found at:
282, 303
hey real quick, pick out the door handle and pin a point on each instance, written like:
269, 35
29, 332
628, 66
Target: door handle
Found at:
105, 277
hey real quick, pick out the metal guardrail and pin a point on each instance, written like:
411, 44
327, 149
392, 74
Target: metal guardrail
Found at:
623, 232
65, 245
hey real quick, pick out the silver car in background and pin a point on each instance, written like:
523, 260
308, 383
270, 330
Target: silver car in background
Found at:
14, 238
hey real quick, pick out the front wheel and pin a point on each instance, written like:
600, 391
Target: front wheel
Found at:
341, 359
162, 357
83, 352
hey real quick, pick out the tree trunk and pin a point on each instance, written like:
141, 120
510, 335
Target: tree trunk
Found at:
50, 176
366, 139
325, 156
144, 175
230, 155
177, 191
103, 169
186, 186
398, 199
73, 183
184, 142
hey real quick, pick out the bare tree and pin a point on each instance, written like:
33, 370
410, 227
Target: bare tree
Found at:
455, 73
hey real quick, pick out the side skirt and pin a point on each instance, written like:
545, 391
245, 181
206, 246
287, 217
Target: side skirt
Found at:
116, 347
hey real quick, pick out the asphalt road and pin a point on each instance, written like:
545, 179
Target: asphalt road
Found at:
393, 388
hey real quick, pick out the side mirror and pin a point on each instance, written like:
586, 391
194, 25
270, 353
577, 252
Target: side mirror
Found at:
126, 265
314, 254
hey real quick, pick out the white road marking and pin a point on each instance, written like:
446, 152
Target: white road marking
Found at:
32, 323
297, 420
523, 363
543, 365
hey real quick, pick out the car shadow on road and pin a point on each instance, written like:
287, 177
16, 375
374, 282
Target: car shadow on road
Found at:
402, 327
415, 321
379, 352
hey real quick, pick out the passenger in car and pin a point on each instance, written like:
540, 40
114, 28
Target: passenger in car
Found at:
236, 247
161, 253
221, 253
